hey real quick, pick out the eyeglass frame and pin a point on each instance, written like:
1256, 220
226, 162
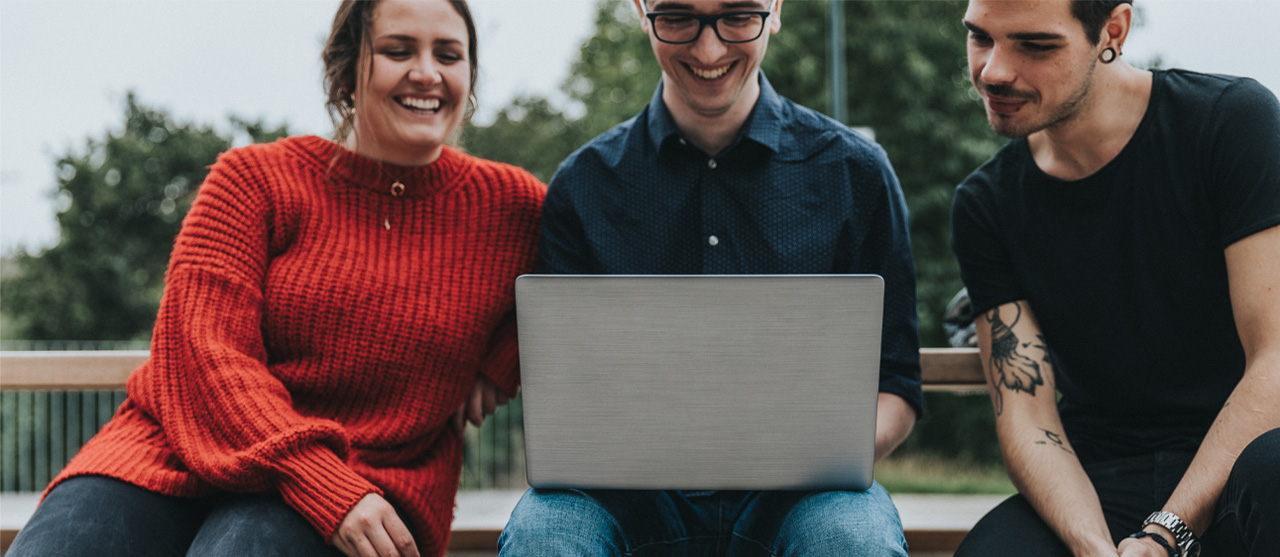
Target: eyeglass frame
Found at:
708, 20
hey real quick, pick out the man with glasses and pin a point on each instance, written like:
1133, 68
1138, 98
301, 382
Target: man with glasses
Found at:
720, 175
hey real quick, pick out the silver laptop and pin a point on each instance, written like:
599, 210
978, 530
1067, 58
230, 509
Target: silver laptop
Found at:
700, 382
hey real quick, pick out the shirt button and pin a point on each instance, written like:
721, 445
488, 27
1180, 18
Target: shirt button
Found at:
683, 142
711, 163
713, 240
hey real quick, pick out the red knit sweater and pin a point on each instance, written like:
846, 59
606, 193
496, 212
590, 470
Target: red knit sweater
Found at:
317, 330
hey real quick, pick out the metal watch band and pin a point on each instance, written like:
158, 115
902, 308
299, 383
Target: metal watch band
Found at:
1186, 539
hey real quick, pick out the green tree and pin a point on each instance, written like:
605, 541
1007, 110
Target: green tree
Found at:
120, 200
613, 77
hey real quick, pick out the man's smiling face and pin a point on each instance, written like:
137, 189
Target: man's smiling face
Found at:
709, 76
1031, 63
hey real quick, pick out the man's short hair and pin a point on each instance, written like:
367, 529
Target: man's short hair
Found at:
1093, 13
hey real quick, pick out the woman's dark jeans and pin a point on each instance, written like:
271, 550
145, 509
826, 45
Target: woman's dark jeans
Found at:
93, 515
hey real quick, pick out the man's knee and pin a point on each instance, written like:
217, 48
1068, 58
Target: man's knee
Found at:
1013, 528
1259, 459
559, 522
861, 523
1253, 476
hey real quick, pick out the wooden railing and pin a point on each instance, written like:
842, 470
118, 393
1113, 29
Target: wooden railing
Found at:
943, 368
101, 375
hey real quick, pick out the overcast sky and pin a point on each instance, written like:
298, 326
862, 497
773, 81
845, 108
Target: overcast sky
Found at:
66, 64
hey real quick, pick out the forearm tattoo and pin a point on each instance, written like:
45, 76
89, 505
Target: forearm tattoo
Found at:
1011, 369
1054, 440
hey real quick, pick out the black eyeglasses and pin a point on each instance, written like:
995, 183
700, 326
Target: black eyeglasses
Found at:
731, 27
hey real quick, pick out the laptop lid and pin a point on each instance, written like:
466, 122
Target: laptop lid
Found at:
700, 382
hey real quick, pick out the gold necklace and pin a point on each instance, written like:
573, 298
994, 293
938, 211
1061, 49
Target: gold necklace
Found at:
397, 190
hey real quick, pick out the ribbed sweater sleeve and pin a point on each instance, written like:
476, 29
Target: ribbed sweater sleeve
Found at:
501, 363
230, 420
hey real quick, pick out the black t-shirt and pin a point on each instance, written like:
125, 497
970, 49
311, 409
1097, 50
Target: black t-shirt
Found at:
1125, 269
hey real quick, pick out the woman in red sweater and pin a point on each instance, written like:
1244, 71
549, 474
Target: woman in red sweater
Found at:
331, 311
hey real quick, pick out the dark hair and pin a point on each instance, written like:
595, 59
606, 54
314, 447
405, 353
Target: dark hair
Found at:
349, 42
1093, 13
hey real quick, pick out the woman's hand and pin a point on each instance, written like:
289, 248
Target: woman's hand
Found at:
373, 529
484, 400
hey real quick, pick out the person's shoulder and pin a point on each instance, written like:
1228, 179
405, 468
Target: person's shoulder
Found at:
1003, 170
262, 166
1215, 92
609, 146
811, 132
604, 152
283, 154
507, 179
1184, 82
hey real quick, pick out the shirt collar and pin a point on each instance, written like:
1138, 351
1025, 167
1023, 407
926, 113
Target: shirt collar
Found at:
763, 125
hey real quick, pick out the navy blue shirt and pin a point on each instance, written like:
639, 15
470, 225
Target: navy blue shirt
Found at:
796, 193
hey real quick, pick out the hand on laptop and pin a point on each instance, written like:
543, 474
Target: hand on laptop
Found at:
484, 400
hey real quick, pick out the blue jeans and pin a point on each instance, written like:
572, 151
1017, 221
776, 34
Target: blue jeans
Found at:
672, 523
92, 515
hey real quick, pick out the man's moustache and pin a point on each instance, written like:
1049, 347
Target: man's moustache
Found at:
1005, 91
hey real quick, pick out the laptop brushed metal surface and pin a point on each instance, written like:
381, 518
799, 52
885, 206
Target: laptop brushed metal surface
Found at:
700, 382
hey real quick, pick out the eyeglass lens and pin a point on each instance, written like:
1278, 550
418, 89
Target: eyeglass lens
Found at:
731, 27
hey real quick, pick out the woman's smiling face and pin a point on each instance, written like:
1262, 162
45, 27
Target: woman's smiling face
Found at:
412, 88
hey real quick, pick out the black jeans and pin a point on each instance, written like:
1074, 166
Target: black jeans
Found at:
1246, 520
92, 515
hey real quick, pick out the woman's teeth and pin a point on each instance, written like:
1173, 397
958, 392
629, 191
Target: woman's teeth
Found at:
420, 104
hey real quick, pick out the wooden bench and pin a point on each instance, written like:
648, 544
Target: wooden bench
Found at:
943, 369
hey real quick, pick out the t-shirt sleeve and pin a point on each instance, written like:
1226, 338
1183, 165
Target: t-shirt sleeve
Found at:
1245, 159
985, 266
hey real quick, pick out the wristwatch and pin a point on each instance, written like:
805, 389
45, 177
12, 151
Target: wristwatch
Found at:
1187, 542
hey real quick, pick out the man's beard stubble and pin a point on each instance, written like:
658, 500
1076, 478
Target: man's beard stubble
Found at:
1068, 109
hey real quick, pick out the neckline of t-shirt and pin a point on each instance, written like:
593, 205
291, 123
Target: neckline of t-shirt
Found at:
1157, 90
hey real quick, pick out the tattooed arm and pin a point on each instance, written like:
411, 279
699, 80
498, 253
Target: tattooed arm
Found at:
1037, 453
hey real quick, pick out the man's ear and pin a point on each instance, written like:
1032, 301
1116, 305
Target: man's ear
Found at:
644, 21
1116, 29
775, 20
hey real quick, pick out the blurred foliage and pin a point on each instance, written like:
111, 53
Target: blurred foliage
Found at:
120, 202
956, 426
907, 80
613, 77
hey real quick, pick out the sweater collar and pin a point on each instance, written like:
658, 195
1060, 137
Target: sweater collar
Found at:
374, 175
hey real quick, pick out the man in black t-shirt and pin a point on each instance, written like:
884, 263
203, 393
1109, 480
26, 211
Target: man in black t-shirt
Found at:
1124, 251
